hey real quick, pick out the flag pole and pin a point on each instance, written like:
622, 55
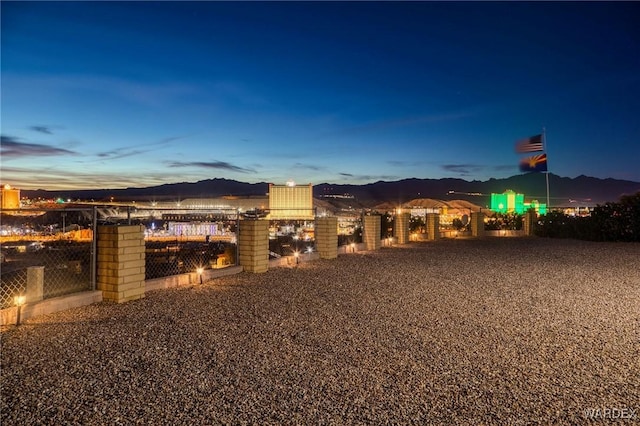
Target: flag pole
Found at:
544, 140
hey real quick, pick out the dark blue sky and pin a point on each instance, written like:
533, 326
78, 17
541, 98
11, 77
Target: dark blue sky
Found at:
118, 94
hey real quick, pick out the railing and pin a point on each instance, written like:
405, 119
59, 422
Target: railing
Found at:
51, 252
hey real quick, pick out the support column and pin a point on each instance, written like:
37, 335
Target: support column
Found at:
327, 237
433, 226
477, 224
401, 228
253, 245
371, 232
121, 262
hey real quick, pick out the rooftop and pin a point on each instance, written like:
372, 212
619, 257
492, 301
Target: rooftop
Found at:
463, 331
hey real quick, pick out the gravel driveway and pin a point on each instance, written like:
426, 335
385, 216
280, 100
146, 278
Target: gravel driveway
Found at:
484, 331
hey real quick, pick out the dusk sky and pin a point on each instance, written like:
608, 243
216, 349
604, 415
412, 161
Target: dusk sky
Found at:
136, 94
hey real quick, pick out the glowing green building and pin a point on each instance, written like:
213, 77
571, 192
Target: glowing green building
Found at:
510, 202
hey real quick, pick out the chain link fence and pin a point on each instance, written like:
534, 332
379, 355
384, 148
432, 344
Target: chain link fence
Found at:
179, 241
59, 242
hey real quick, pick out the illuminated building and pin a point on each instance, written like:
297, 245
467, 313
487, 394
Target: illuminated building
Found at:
291, 201
189, 229
10, 197
510, 202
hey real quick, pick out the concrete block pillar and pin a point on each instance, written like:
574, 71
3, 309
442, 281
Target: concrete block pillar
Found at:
327, 237
433, 226
401, 227
477, 224
253, 245
35, 284
529, 222
371, 232
121, 262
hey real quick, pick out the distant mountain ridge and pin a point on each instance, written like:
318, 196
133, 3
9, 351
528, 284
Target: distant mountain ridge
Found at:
564, 191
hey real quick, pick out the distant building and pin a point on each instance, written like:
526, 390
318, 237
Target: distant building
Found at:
511, 202
291, 201
10, 198
207, 209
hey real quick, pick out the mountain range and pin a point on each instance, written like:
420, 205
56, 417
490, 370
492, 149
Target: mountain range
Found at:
564, 191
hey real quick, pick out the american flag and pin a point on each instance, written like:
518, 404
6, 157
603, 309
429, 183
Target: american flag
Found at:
530, 144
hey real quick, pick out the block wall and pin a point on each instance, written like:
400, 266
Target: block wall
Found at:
121, 262
253, 245
327, 237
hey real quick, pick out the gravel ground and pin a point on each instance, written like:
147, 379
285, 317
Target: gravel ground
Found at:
488, 331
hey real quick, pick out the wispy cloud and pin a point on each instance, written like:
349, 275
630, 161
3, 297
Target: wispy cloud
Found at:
463, 169
47, 130
474, 169
14, 147
120, 153
60, 178
219, 165
398, 163
130, 151
367, 178
309, 167
504, 167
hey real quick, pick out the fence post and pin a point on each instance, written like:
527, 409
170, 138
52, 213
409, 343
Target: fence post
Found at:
121, 262
237, 237
529, 221
477, 224
401, 227
35, 284
433, 226
94, 249
327, 237
253, 245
